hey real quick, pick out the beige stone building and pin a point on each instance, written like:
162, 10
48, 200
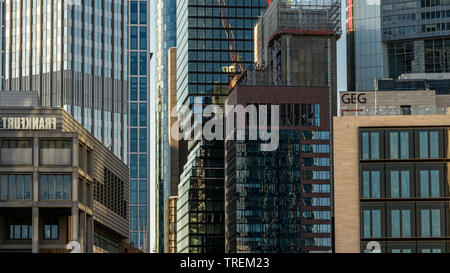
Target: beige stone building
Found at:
391, 181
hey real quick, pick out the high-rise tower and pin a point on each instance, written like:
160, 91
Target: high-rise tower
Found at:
74, 54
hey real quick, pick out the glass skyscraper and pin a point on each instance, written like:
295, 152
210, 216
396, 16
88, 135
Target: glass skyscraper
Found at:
203, 54
387, 38
139, 126
166, 38
74, 54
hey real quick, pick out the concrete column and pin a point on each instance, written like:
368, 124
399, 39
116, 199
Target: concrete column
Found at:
35, 189
82, 235
90, 234
75, 224
35, 227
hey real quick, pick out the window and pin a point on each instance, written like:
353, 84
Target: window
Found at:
370, 145
133, 192
51, 229
399, 145
430, 222
372, 223
429, 144
133, 12
142, 166
316, 162
143, 38
405, 110
430, 183
143, 12
400, 183
16, 152
143, 63
56, 152
143, 89
19, 231
372, 184
400, 223
133, 37
143, 192
133, 88
15, 187
55, 187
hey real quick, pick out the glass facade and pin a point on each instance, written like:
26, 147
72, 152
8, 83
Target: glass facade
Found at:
279, 202
364, 43
139, 123
166, 38
404, 194
203, 54
74, 54
396, 37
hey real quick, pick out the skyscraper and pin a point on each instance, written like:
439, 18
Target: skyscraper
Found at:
212, 37
387, 38
280, 201
166, 38
139, 126
74, 54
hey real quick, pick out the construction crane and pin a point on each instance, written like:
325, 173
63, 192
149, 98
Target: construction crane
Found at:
236, 66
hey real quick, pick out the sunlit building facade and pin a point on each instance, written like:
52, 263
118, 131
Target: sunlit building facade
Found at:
74, 54
166, 14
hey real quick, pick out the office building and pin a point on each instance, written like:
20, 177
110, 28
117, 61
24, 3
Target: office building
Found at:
170, 225
439, 82
214, 38
59, 184
387, 38
391, 178
74, 54
166, 35
280, 201
295, 44
139, 124
392, 102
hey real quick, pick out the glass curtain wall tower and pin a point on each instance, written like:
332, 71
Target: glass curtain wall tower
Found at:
74, 53
139, 126
166, 38
203, 56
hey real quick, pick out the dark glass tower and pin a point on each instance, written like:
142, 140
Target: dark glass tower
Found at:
204, 47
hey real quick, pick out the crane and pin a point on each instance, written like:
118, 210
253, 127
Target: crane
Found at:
236, 66
235, 58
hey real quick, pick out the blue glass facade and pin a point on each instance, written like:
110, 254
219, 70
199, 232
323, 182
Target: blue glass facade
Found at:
204, 49
166, 38
139, 123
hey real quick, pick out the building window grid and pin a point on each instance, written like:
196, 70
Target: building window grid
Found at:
402, 219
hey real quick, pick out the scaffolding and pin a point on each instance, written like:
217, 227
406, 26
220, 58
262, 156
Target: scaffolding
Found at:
300, 17
309, 16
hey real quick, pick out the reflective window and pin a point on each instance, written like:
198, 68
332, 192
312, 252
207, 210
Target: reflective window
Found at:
15, 187
370, 143
430, 183
371, 184
431, 222
400, 184
143, 166
55, 187
401, 223
372, 223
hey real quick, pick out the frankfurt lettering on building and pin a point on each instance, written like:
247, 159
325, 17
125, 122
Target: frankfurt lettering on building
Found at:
28, 123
